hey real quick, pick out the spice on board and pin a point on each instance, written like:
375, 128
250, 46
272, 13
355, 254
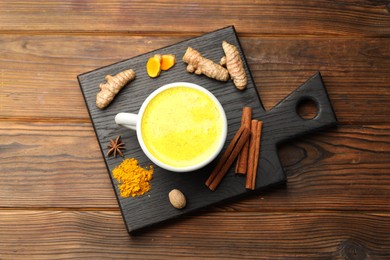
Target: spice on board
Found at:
133, 180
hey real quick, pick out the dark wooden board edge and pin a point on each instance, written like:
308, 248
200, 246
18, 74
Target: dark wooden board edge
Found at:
277, 178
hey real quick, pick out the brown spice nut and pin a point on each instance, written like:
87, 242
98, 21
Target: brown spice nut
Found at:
177, 199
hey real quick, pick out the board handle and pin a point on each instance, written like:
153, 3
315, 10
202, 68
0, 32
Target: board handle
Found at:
284, 122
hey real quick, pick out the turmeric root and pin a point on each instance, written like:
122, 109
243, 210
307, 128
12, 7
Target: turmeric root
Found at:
112, 86
234, 65
153, 66
167, 61
200, 65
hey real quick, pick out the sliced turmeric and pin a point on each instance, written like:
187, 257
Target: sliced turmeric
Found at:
200, 65
112, 86
234, 65
153, 66
167, 61
158, 62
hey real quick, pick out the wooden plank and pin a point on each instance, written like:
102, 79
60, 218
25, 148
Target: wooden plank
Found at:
348, 68
57, 164
354, 71
290, 17
42, 161
49, 70
91, 234
340, 169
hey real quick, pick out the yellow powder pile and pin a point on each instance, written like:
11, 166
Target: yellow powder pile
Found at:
133, 180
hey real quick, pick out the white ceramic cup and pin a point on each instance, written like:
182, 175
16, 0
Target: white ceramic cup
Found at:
134, 122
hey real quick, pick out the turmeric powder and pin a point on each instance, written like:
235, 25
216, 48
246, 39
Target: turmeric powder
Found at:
133, 180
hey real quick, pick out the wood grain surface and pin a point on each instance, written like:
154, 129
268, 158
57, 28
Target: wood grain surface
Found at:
56, 200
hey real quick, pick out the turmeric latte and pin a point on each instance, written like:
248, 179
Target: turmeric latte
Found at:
182, 126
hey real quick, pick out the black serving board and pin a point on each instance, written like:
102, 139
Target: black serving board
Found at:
279, 124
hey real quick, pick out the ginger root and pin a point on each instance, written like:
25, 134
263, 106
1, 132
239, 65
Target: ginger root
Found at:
234, 65
112, 86
153, 66
167, 61
200, 65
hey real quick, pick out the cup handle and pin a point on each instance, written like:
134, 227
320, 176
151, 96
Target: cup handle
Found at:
127, 120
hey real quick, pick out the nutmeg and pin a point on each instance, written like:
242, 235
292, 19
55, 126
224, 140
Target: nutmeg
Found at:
177, 199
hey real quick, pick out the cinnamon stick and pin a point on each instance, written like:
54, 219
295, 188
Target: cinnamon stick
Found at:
251, 155
228, 157
242, 161
257, 153
225, 156
254, 152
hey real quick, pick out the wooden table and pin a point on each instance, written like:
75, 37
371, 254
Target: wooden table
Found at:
56, 197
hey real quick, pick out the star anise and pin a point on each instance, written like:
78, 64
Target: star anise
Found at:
115, 147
